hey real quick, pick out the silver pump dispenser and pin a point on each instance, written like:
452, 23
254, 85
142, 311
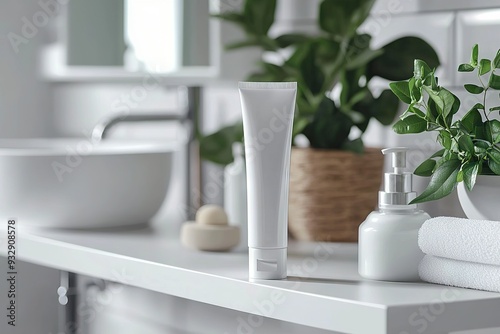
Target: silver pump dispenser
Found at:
398, 185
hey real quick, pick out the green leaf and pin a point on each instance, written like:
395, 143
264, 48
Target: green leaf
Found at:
483, 137
358, 97
330, 127
496, 61
242, 44
343, 17
494, 126
494, 166
304, 107
444, 139
422, 71
259, 15
438, 154
299, 124
334, 17
473, 89
271, 72
495, 108
465, 144
494, 81
410, 124
217, 147
385, 107
470, 170
327, 50
362, 58
434, 95
262, 77
349, 81
355, 146
415, 92
313, 77
484, 66
396, 63
417, 111
432, 110
494, 155
233, 17
402, 90
450, 101
472, 118
442, 183
298, 55
455, 106
494, 160
425, 168
474, 55
481, 146
445, 101
287, 40
465, 68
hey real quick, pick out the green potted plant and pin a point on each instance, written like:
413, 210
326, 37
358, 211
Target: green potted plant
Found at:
334, 182
470, 154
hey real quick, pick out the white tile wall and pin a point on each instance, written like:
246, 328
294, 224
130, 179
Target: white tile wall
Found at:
79, 106
435, 28
476, 27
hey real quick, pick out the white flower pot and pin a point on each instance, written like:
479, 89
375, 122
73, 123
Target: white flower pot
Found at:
483, 201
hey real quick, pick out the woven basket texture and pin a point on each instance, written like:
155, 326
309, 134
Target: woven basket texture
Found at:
332, 192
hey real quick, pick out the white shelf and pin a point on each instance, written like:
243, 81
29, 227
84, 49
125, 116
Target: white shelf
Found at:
188, 76
323, 289
52, 69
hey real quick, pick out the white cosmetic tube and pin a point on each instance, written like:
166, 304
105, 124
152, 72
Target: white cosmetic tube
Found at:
268, 110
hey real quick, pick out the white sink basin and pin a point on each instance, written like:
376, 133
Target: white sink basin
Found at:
71, 183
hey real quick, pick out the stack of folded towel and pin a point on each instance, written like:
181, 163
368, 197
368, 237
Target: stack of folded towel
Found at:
461, 252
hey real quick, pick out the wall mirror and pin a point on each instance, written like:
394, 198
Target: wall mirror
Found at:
138, 35
124, 39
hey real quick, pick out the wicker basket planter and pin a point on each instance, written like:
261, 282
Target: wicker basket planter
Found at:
332, 192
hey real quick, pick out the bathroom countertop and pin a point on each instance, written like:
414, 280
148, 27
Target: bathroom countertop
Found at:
323, 289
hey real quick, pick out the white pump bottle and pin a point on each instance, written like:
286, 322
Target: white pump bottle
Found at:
388, 238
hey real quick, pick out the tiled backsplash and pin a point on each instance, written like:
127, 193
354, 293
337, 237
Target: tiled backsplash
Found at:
451, 27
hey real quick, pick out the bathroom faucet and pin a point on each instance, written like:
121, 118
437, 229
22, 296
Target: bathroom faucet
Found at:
188, 114
102, 128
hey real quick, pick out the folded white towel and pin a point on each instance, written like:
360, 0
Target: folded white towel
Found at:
461, 239
459, 273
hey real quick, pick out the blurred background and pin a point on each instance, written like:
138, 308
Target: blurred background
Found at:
66, 64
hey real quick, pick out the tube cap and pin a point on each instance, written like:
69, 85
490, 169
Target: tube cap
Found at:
267, 263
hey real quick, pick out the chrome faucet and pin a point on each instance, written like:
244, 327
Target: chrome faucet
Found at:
189, 97
187, 114
102, 128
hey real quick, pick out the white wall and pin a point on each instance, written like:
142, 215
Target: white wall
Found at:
25, 111
24, 100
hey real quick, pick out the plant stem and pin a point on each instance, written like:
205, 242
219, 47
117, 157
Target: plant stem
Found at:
484, 103
484, 95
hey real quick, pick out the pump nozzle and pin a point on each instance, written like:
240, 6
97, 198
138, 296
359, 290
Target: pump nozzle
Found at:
398, 184
398, 158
